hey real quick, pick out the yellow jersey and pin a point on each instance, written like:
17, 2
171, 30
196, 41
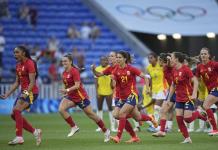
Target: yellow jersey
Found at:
202, 90
104, 83
157, 78
146, 100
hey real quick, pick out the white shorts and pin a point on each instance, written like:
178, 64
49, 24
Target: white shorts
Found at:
113, 102
159, 96
213, 106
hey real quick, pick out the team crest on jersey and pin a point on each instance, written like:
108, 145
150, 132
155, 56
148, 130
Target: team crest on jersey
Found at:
68, 76
23, 68
180, 73
209, 69
118, 73
128, 72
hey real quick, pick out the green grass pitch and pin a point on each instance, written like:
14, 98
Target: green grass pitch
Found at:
55, 131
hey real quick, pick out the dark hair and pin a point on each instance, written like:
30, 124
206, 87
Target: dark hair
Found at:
180, 56
153, 54
70, 57
129, 58
125, 55
207, 49
27, 54
163, 56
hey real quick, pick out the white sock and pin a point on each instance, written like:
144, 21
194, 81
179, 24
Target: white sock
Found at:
169, 124
100, 114
215, 116
192, 125
112, 120
136, 123
157, 112
201, 124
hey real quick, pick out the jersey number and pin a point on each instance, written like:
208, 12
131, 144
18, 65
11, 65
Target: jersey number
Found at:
124, 78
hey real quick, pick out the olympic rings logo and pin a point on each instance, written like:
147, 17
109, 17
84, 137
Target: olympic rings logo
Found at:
160, 13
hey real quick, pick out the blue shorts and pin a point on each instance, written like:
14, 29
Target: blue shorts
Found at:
29, 99
83, 104
214, 92
131, 100
173, 97
116, 100
185, 105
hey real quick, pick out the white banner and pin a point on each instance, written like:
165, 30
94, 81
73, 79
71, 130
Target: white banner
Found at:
187, 17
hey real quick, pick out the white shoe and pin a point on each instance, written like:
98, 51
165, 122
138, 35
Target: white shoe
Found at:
16, 140
213, 132
38, 135
159, 134
207, 130
199, 130
73, 131
98, 130
107, 135
187, 141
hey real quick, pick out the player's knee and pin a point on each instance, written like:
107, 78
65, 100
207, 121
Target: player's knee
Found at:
122, 115
206, 106
61, 110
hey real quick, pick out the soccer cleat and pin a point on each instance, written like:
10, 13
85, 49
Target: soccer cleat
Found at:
16, 140
116, 139
133, 140
98, 130
154, 122
107, 135
151, 129
73, 131
187, 141
38, 136
159, 134
213, 132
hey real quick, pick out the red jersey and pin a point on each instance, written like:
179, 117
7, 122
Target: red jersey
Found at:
183, 86
168, 74
208, 73
126, 80
69, 79
109, 71
23, 69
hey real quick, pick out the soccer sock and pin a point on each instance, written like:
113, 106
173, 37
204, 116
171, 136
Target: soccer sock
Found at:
100, 123
112, 120
201, 124
182, 126
129, 129
194, 116
122, 124
19, 122
145, 117
170, 124
26, 125
162, 125
211, 118
157, 112
192, 125
100, 114
70, 121
135, 123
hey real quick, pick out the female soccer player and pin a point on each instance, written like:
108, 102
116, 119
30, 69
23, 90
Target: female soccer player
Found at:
167, 106
104, 91
185, 94
26, 74
208, 71
157, 83
124, 76
75, 95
